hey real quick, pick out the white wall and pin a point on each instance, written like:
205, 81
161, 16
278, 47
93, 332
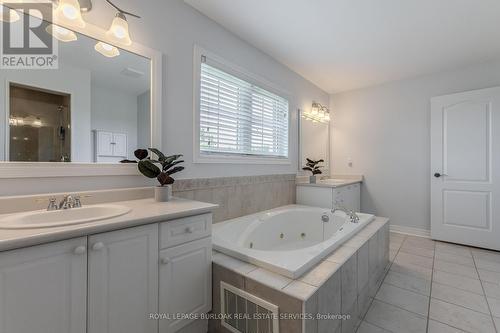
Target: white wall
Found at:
173, 28
115, 111
385, 131
66, 79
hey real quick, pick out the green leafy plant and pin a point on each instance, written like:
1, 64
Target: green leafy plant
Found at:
169, 165
313, 166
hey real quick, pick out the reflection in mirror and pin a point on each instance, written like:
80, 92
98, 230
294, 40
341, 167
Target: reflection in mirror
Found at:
95, 108
314, 143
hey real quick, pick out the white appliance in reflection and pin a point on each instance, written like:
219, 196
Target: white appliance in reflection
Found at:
109, 147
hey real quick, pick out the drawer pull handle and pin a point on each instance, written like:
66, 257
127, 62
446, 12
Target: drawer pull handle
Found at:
80, 250
189, 230
165, 261
98, 246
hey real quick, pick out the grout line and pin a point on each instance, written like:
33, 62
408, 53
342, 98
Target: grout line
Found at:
430, 292
485, 297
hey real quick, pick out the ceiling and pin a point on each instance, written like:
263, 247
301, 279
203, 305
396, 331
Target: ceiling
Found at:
347, 44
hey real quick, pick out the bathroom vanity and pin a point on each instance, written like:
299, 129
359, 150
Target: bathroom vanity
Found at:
126, 274
329, 193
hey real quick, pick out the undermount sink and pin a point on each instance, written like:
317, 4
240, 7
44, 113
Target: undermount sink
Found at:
58, 218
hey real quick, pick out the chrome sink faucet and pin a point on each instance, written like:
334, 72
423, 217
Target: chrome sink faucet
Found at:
353, 217
67, 202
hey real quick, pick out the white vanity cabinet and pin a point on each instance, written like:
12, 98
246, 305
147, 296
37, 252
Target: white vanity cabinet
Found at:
123, 280
326, 196
185, 270
110, 282
43, 288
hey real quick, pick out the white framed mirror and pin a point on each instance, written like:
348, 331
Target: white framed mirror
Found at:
314, 143
85, 117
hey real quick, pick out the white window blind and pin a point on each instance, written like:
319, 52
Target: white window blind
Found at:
240, 118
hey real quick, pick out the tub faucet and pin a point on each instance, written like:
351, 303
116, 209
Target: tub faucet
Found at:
353, 217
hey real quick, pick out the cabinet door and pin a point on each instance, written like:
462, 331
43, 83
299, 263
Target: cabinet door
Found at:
315, 196
185, 282
119, 145
123, 281
104, 146
43, 288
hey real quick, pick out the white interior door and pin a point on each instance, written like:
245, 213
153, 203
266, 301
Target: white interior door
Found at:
465, 185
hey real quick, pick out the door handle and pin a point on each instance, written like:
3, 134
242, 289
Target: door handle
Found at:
438, 175
80, 250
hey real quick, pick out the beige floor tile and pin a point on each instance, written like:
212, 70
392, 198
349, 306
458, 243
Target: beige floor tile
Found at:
450, 267
494, 306
497, 323
423, 252
457, 281
417, 285
488, 265
365, 327
414, 260
492, 289
404, 299
460, 297
437, 327
453, 249
459, 317
489, 276
395, 319
453, 258
412, 270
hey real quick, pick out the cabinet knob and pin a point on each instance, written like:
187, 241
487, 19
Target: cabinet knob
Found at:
80, 249
98, 246
165, 261
189, 230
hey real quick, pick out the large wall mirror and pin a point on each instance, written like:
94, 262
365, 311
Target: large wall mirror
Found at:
96, 108
314, 143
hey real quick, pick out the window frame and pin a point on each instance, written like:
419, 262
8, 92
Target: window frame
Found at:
243, 74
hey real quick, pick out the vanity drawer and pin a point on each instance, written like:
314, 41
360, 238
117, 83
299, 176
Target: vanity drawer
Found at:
184, 230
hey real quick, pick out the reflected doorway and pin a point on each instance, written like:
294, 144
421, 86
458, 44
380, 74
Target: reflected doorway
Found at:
40, 125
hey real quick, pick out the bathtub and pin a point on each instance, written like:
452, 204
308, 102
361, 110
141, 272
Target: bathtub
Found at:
288, 240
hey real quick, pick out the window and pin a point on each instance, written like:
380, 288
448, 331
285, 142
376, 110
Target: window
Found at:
238, 117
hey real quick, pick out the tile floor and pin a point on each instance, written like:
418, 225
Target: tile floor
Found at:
436, 287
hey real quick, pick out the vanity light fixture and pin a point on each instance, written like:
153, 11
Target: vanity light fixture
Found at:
37, 122
60, 33
8, 15
317, 114
68, 12
107, 50
119, 33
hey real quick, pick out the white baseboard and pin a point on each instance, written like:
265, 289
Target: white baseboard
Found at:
410, 231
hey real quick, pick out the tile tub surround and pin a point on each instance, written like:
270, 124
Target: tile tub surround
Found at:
436, 287
344, 283
239, 196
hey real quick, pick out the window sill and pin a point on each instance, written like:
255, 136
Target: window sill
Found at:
225, 159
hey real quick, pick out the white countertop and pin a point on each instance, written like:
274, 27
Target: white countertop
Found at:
144, 211
331, 182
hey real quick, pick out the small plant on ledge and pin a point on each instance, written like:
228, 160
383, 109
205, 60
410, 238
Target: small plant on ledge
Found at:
314, 168
169, 165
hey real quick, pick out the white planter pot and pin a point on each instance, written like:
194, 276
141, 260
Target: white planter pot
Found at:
312, 179
163, 193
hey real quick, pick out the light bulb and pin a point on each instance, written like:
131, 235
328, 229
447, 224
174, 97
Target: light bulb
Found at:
60, 33
68, 13
118, 32
37, 122
12, 15
107, 50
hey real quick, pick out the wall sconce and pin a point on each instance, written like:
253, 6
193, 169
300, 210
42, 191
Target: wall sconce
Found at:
317, 114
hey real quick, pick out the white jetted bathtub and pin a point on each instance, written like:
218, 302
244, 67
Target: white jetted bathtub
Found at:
288, 240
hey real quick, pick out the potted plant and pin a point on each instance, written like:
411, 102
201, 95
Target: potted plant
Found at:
163, 173
314, 167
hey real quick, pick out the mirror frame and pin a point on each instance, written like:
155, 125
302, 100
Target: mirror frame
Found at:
60, 169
